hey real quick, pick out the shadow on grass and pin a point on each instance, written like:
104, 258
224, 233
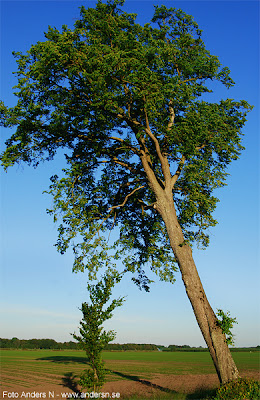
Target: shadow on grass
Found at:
201, 394
143, 382
65, 359
69, 381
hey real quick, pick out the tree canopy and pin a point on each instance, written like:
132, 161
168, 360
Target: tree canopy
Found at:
126, 102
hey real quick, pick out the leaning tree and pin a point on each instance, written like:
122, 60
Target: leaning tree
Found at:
144, 150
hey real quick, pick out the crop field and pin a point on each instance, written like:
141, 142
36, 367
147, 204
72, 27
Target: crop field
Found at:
130, 374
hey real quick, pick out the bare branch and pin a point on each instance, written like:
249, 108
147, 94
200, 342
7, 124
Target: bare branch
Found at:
172, 116
127, 197
191, 79
143, 153
178, 171
163, 160
126, 165
136, 151
200, 147
123, 164
73, 185
131, 121
154, 139
144, 205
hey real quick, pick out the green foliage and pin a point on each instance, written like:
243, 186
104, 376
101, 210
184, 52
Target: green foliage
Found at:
226, 323
127, 102
239, 389
93, 338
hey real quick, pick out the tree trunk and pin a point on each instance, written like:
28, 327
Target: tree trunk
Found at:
206, 318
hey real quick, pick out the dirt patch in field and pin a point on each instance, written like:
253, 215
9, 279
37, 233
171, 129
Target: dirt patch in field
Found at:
163, 384
160, 384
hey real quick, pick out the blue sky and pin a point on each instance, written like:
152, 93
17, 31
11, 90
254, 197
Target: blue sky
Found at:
40, 295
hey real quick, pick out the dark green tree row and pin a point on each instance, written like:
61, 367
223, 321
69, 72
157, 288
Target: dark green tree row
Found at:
16, 343
132, 347
51, 344
152, 347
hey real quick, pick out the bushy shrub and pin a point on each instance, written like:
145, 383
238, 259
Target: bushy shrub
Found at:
91, 379
247, 389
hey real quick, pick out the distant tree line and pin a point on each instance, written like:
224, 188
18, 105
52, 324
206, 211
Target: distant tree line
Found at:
185, 347
131, 347
51, 344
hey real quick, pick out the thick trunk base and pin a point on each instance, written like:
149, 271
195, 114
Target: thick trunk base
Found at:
206, 318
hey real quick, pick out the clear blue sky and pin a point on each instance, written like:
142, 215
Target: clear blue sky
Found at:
40, 295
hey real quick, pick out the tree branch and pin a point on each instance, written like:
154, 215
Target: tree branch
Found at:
144, 205
123, 164
192, 79
136, 151
127, 197
163, 160
126, 165
201, 147
178, 172
143, 153
172, 116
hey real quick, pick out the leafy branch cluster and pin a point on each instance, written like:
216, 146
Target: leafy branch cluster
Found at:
226, 323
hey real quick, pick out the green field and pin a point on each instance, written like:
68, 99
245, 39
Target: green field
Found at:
29, 368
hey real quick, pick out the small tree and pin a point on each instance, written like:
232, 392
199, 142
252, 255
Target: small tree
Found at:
93, 338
